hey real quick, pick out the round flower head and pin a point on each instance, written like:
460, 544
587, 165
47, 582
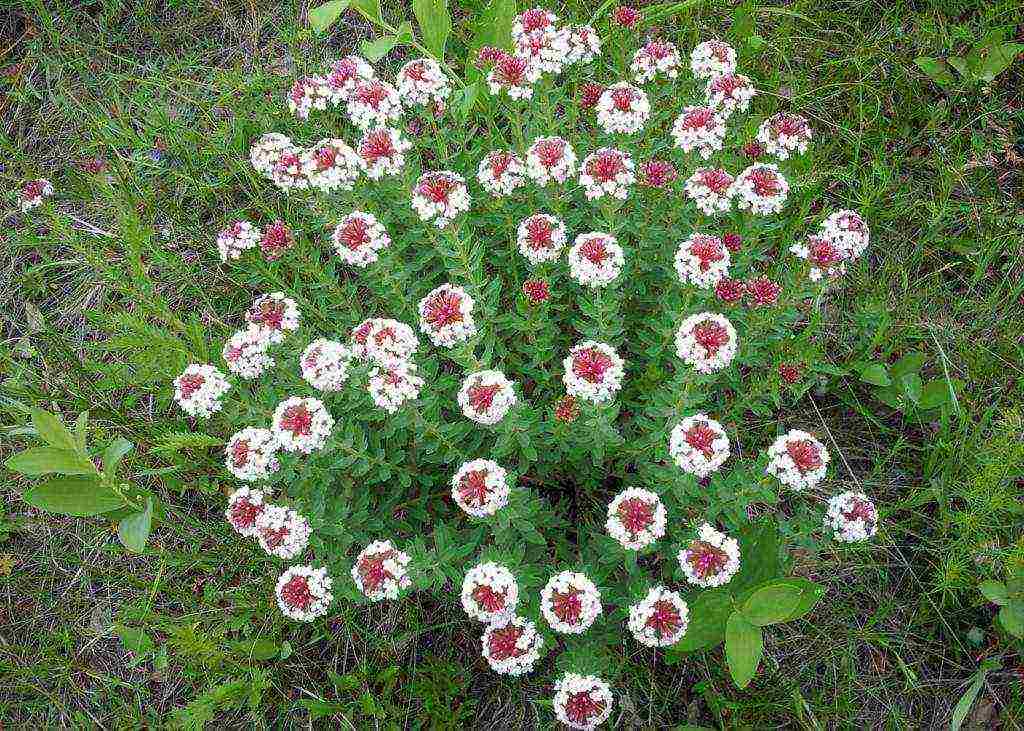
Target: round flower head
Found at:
276, 240
784, 134
699, 445
710, 559
245, 353
392, 384
798, 460
582, 701
359, 238
244, 507
711, 189
550, 159
595, 259
702, 260
848, 231
480, 487
730, 291
657, 57
489, 591
760, 189
382, 152
536, 291
309, 93
238, 237
659, 619
275, 315
823, 254
706, 341
590, 94
267, 150
511, 645
700, 129
198, 390
626, 16
251, 454
282, 532
33, 193
546, 50
304, 593
301, 424
440, 197
584, 44
345, 74
636, 518
567, 409
331, 165
852, 517
541, 238
324, 364
712, 59
532, 21
373, 102
383, 340
791, 373
514, 75
421, 82
657, 174
763, 292
623, 109
730, 93
501, 172
486, 396
289, 172
446, 316
607, 172
593, 371
570, 602
380, 571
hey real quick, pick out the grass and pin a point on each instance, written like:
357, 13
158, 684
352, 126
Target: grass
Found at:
170, 95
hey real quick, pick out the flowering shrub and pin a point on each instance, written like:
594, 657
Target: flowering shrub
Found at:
434, 391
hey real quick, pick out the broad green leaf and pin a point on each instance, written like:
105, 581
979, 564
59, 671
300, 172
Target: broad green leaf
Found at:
1011, 617
936, 70
81, 424
960, 64
759, 555
995, 592
113, 455
77, 496
323, 16
469, 97
935, 394
911, 384
435, 24
810, 593
910, 363
376, 49
404, 33
134, 529
998, 60
742, 22
134, 640
46, 460
369, 8
52, 430
771, 604
744, 645
876, 374
258, 649
706, 628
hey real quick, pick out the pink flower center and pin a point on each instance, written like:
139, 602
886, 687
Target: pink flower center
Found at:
730, 290
823, 253
274, 537
765, 182
443, 309
298, 91
481, 397
716, 179
538, 232
326, 157
699, 118
622, 99
503, 643
416, 71
606, 166
33, 189
269, 313
295, 593
511, 70
860, 511
549, 152
436, 188
244, 513
240, 453
489, 599
190, 383
534, 19
361, 333
568, 607
727, 85
581, 708
789, 125
276, 239
372, 572
372, 93
706, 559
658, 50
636, 514
594, 250
354, 233
711, 336
702, 437
708, 250
664, 619
500, 162
473, 488
720, 51
342, 72
297, 420
591, 364
763, 291
805, 455
590, 95
385, 335
376, 145
566, 410
658, 173
536, 290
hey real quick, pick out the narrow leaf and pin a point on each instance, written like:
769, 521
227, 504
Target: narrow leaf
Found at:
46, 460
963, 706
78, 496
744, 645
435, 24
370, 9
52, 431
134, 529
323, 16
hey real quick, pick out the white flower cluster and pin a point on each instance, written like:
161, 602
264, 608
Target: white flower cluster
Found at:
607, 171
711, 189
593, 371
282, 532
760, 189
582, 702
199, 388
301, 424
328, 165
267, 150
501, 172
393, 383
711, 59
251, 454
707, 341
511, 645
244, 507
550, 159
446, 316
702, 260
440, 197
848, 231
34, 193
383, 340
514, 75
345, 73
636, 518
324, 364
360, 238
246, 353
373, 103
309, 93
275, 315
486, 397
489, 591
699, 445
596, 259
547, 50
657, 57
541, 238
481, 487
660, 618
784, 134
381, 571
623, 109
238, 237
701, 129
711, 559
304, 593
851, 517
331, 165
532, 21
570, 602
798, 460
584, 44
382, 152
421, 82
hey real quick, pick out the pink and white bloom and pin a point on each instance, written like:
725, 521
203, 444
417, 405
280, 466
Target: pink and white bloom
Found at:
304, 593
238, 237
848, 231
596, 259
623, 109
550, 159
275, 315
699, 445
267, 150
712, 59
301, 424
277, 239
289, 171
382, 152
702, 260
784, 134
373, 103
660, 618
251, 454
440, 197
246, 353
393, 383
532, 21
422, 82
636, 518
244, 507
607, 171
851, 517
282, 532
324, 364
824, 255
514, 75
489, 591
711, 559
541, 238
486, 397
345, 74
657, 174
730, 93
584, 44
760, 189
570, 602
798, 460
593, 371
481, 487
383, 340
657, 57
707, 341
33, 193
511, 645
309, 93
711, 189
546, 50
763, 292
501, 172
446, 316
381, 571
199, 389
331, 165
700, 129
582, 701
359, 238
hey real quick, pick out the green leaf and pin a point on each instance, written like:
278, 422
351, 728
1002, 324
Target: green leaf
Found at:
376, 49
936, 70
81, 424
960, 64
810, 593
323, 16
77, 496
495, 27
935, 394
876, 374
404, 33
706, 628
910, 363
435, 24
52, 431
113, 455
995, 592
46, 460
134, 640
744, 645
1011, 617
771, 604
468, 99
966, 701
998, 60
370, 9
911, 384
759, 555
258, 649
134, 529
742, 22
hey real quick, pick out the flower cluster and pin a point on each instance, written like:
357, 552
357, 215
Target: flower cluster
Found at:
760, 189
382, 151
706, 341
446, 316
699, 129
623, 109
392, 383
607, 172
199, 389
541, 238
360, 238
301, 424
842, 238
489, 592
711, 559
422, 82
381, 571
480, 487
304, 593
501, 172
274, 316
851, 517
659, 619
550, 159
238, 237
486, 397
251, 454
383, 340
593, 371
570, 602
712, 59
511, 645
582, 701
798, 460
596, 259
699, 445
440, 197
33, 193
711, 189
702, 260
282, 532
324, 364
657, 57
636, 518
